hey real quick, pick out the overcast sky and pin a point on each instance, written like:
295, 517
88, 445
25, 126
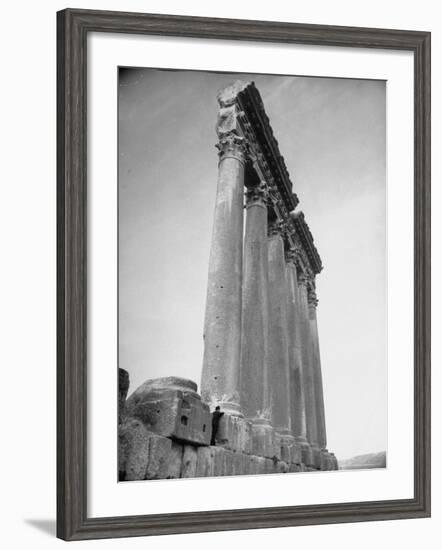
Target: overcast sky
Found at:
331, 133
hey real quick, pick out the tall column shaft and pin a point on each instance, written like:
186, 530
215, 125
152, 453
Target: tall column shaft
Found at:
222, 326
254, 396
278, 336
307, 362
316, 360
297, 400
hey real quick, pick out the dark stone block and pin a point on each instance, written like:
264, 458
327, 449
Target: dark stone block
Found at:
171, 407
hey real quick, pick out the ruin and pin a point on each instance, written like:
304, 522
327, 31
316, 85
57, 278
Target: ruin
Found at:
261, 361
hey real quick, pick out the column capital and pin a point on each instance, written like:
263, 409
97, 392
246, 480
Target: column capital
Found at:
303, 279
232, 145
257, 194
293, 255
312, 299
277, 227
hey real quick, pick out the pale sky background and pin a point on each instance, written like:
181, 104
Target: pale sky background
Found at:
331, 133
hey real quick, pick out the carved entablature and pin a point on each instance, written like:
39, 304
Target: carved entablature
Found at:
307, 242
242, 115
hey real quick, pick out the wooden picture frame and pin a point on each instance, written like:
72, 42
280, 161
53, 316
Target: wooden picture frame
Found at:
73, 27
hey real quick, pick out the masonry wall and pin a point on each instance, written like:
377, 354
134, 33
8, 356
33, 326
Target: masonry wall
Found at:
165, 432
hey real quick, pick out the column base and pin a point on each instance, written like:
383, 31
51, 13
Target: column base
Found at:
263, 438
234, 433
227, 407
306, 450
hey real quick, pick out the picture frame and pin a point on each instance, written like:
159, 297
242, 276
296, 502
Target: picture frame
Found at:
73, 27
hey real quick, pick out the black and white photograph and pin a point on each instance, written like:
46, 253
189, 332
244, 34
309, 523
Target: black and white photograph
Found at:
252, 274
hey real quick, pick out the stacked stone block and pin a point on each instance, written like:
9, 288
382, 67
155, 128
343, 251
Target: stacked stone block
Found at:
166, 430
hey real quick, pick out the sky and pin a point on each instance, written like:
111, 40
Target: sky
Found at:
332, 134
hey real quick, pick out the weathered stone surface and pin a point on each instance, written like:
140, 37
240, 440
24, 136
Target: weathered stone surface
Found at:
205, 462
234, 433
171, 407
271, 465
222, 325
278, 332
240, 464
255, 397
255, 465
316, 364
133, 450
296, 454
297, 401
123, 387
307, 362
306, 454
297, 468
282, 467
175, 461
160, 450
263, 440
290, 452
190, 456
221, 461
334, 461
316, 458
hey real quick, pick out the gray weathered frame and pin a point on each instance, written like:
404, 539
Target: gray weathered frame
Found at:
73, 27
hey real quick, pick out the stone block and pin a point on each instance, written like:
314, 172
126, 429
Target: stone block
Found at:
175, 461
260, 464
228, 462
190, 456
234, 433
263, 440
313, 459
253, 465
123, 387
204, 462
316, 463
290, 450
282, 467
221, 458
306, 454
160, 451
133, 450
334, 461
271, 465
296, 454
171, 407
240, 464
325, 462
249, 467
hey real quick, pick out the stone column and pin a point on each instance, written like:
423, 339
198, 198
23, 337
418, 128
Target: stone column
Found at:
297, 400
317, 372
222, 326
254, 395
307, 363
278, 333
